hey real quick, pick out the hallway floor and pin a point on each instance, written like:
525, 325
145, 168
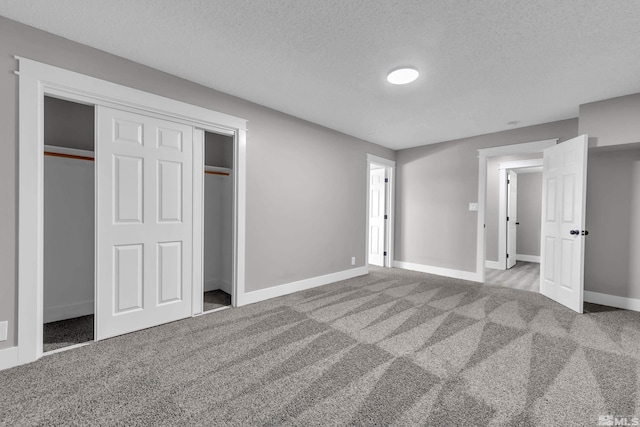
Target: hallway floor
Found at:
524, 275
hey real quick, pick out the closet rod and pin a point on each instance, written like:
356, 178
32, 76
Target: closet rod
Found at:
68, 156
216, 173
69, 153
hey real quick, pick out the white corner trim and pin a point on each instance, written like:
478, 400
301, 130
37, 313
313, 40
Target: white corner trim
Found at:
62, 82
528, 258
612, 300
68, 311
380, 160
520, 164
439, 271
301, 285
8, 358
495, 265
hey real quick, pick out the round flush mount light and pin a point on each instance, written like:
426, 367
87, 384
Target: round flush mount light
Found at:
402, 76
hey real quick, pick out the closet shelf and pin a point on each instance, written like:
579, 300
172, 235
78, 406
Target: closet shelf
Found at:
216, 170
69, 153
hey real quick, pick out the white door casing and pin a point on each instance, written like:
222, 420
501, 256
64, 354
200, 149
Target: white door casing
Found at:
512, 217
377, 200
37, 80
563, 221
143, 221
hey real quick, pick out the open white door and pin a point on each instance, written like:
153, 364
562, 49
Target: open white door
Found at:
564, 189
143, 222
512, 217
376, 217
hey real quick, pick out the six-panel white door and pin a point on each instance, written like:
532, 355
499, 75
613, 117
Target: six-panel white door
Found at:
143, 222
563, 220
376, 216
512, 217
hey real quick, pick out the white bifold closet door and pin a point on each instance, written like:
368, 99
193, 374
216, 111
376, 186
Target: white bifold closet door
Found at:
143, 222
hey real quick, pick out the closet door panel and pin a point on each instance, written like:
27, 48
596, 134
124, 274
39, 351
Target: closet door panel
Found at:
127, 286
170, 191
128, 188
143, 222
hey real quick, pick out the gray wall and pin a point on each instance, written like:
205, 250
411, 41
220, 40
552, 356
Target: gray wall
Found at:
529, 213
68, 238
218, 150
612, 121
296, 170
613, 219
218, 232
68, 124
493, 200
434, 187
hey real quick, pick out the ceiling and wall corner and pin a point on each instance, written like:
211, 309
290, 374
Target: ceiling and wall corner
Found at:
484, 66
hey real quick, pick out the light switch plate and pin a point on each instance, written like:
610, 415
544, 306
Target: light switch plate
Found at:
3, 330
473, 206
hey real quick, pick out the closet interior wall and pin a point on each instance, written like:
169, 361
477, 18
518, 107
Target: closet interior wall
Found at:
218, 213
68, 212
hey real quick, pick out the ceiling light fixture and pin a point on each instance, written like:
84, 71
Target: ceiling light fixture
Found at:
402, 76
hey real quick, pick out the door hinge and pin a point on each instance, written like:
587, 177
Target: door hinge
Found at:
386, 180
507, 255
508, 181
507, 218
385, 217
384, 254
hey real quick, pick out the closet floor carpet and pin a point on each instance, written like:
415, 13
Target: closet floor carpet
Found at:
389, 348
215, 299
67, 332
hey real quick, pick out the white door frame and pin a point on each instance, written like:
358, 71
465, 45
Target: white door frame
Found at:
36, 80
483, 156
521, 166
390, 173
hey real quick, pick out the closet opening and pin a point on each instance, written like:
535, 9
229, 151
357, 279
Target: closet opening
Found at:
69, 225
218, 221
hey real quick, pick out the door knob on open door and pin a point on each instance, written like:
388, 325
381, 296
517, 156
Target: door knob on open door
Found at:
574, 232
585, 232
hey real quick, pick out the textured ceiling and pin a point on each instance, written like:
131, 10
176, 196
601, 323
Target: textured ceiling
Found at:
482, 63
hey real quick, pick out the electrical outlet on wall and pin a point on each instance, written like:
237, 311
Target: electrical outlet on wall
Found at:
353, 260
3, 330
473, 206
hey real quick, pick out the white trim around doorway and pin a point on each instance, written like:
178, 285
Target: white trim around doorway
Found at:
37, 80
504, 168
483, 156
390, 174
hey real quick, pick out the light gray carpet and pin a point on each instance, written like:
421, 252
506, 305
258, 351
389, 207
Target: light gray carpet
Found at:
524, 275
215, 299
68, 332
390, 348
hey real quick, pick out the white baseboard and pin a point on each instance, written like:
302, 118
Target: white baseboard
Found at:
68, 311
212, 285
301, 285
495, 265
439, 271
528, 258
612, 300
8, 358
